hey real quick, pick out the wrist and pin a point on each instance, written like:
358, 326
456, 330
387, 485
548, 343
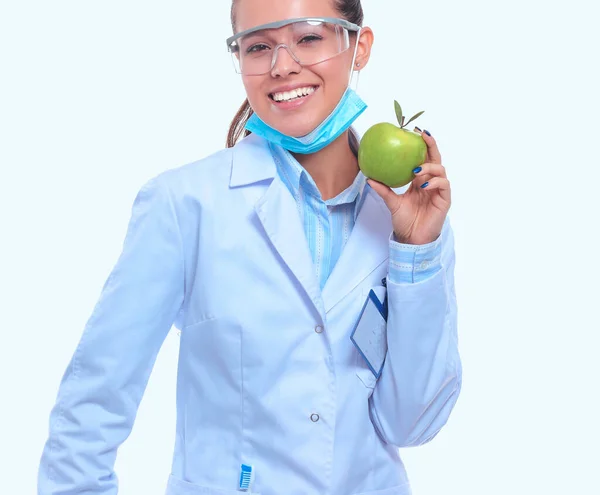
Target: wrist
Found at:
415, 242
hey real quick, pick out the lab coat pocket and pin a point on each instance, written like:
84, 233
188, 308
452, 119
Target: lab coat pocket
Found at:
176, 486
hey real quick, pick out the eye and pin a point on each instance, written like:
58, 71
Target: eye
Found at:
259, 47
310, 38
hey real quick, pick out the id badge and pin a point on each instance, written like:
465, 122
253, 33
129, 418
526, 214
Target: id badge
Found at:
370, 333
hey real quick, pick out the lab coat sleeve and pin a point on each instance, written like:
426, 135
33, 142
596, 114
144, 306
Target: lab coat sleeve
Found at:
102, 387
422, 374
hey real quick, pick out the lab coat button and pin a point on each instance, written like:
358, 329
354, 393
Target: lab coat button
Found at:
314, 418
319, 329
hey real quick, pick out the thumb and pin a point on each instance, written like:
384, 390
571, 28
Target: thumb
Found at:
386, 193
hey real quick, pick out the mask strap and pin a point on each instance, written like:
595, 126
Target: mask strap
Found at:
352, 71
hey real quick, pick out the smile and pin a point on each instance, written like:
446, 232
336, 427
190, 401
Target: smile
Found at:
293, 94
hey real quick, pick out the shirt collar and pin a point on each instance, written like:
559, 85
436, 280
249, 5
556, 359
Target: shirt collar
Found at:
288, 168
293, 175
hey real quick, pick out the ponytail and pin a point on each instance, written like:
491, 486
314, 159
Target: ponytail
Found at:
236, 129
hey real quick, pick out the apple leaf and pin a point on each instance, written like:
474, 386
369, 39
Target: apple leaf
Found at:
398, 112
415, 116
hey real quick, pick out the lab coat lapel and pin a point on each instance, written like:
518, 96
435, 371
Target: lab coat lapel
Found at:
252, 164
278, 213
366, 249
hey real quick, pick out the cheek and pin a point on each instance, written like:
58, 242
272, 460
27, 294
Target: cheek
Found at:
336, 78
252, 87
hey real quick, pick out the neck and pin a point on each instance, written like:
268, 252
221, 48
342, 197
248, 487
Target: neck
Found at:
333, 168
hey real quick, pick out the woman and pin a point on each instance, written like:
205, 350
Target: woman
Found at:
265, 256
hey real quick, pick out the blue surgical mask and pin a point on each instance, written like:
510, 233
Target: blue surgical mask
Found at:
345, 113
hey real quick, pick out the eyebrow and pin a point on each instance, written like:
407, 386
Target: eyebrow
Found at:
267, 31
262, 33
334, 20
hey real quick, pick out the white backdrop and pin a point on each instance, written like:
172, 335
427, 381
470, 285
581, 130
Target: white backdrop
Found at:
97, 97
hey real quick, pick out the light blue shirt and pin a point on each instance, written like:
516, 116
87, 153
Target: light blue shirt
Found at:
328, 225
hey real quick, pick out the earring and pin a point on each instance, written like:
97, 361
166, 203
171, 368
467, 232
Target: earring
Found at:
357, 64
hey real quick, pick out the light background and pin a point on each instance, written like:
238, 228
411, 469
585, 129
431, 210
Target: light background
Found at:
97, 97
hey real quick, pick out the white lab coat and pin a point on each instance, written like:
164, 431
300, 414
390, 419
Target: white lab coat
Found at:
268, 375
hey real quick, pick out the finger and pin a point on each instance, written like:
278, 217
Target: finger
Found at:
433, 169
420, 179
441, 185
390, 198
433, 153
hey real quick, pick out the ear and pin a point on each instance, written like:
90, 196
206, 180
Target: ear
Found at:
363, 53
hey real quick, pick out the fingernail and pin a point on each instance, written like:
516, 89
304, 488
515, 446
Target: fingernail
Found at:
425, 185
427, 132
417, 170
418, 129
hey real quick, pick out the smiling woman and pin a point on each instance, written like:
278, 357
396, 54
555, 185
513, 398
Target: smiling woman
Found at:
308, 43
317, 310
310, 52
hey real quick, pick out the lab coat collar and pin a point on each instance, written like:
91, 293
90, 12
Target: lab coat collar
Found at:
277, 211
251, 162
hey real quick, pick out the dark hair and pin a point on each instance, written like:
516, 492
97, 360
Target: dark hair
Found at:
351, 10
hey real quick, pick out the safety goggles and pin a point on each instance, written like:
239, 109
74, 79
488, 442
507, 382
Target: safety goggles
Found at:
308, 40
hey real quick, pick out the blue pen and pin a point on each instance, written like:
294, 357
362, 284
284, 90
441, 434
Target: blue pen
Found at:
385, 301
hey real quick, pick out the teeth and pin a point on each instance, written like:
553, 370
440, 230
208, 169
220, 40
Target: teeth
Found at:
295, 93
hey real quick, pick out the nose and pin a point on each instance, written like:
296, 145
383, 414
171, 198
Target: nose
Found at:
284, 62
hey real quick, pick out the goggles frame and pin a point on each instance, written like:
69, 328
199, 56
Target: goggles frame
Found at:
274, 25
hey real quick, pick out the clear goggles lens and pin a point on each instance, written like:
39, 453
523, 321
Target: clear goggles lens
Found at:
307, 42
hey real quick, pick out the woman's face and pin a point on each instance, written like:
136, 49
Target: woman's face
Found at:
329, 78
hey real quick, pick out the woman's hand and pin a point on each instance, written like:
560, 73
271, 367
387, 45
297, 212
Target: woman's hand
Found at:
418, 215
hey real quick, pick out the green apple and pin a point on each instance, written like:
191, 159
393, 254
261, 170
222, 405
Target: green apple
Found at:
389, 154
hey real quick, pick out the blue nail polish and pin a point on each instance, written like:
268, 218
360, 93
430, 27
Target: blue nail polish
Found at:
418, 129
417, 170
427, 132
425, 185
